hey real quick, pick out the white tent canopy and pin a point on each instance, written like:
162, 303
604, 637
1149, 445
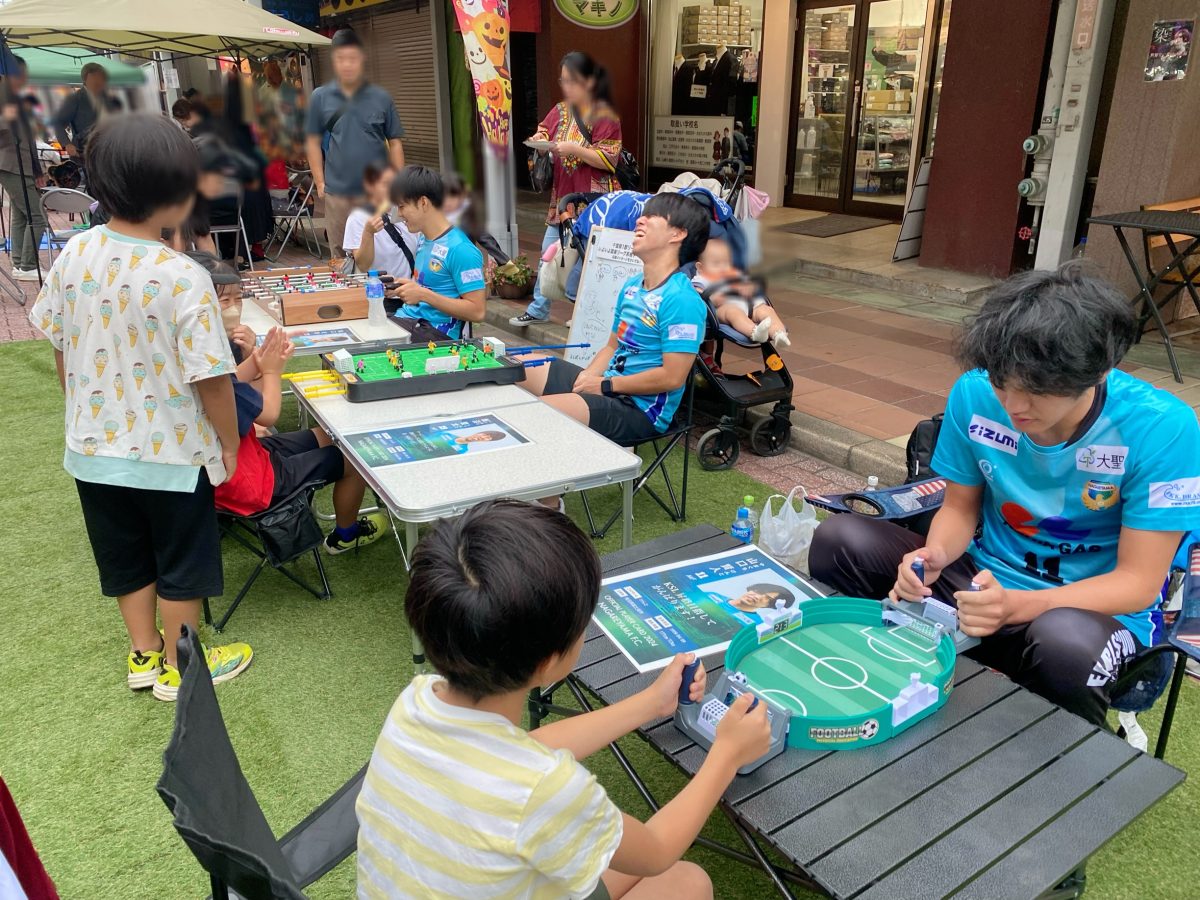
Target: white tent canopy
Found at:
139, 27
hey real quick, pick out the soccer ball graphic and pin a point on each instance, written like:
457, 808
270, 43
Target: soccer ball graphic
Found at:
869, 729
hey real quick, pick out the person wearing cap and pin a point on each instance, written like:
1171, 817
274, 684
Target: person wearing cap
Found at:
83, 109
350, 123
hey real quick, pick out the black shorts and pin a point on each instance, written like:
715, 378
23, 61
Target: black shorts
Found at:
165, 538
297, 459
617, 418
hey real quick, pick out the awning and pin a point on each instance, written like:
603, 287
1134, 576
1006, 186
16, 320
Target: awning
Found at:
138, 27
62, 64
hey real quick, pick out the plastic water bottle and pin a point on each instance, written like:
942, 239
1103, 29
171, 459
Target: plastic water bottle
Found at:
742, 530
376, 314
1080, 250
872, 483
748, 502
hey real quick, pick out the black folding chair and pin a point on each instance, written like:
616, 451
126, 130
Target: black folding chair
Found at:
279, 535
217, 814
663, 444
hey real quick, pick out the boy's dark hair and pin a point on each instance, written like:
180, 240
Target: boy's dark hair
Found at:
218, 270
1049, 332
181, 109
487, 611
452, 183
414, 182
139, 163
345, 37
685, 213
373, 171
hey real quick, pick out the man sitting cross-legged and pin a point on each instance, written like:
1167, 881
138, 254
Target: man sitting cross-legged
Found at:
1085, 479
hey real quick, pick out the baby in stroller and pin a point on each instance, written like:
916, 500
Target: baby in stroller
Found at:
737, 298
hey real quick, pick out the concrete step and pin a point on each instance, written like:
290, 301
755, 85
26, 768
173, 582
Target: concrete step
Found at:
905, 279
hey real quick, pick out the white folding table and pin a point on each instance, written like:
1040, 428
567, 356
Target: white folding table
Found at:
260, 322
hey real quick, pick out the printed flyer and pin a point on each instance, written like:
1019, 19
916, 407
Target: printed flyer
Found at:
436, 439
695, 606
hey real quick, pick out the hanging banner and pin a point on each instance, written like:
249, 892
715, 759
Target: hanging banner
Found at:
484, 26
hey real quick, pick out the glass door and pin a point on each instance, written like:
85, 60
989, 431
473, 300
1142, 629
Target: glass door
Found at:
883, 131
822, 97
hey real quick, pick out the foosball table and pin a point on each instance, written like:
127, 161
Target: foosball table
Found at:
308, 295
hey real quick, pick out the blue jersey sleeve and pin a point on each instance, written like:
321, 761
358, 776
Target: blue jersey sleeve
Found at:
954, 459
1161, 491
466, 267
681, 317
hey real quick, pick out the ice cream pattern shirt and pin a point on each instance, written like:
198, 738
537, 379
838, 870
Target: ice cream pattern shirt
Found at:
123, 394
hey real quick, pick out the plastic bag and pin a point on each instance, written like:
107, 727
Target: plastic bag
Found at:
786, 534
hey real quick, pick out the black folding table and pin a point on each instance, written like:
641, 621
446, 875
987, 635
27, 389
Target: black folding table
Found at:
999, 795
1167, 224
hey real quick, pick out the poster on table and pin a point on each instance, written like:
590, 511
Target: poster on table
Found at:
690, 142
1170, 48
484, 25
695, 606
434, 439
320, 337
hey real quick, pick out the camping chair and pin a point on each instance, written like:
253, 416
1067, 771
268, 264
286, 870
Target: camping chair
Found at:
280, 534
233, 188
292, 213
63, 200
217, 814
663, 444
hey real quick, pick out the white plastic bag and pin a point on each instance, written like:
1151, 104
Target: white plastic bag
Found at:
787, 534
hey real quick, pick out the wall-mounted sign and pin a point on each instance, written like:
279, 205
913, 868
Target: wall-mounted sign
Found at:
691, 142
335, 7
1170, 47
597, 13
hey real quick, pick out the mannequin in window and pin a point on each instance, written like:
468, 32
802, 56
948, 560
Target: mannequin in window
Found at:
725, 69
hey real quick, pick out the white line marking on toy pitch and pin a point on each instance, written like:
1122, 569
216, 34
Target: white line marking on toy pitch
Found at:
875, 643
817, 660
896, 633
792, 697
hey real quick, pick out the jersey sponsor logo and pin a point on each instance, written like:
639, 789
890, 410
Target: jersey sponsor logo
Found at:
1178, 494
1098, 495
439, 251
993, 434
1065, 536
1103, 459
435, 265
987, 469
653, 302
625, 334
472, 275
683, 333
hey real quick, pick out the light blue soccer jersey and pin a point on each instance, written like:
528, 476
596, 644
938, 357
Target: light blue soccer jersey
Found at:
668, 319
450, 266
1052, 515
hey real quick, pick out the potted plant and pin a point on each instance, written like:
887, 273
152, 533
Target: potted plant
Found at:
513, 280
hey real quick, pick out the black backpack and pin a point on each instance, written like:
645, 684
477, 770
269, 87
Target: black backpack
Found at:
919, 452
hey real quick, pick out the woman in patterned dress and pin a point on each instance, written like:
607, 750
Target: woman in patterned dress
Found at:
580, 165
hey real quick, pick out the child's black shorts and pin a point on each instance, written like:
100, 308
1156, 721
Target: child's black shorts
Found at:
617, 418
297, 459
165, 538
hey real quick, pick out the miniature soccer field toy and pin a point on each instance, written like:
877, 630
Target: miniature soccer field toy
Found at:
836, 673
941, 615
381, 371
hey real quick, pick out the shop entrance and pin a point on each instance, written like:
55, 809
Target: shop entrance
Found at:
863, 95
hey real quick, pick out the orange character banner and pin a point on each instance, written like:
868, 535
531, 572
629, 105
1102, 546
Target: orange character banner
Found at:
484, 25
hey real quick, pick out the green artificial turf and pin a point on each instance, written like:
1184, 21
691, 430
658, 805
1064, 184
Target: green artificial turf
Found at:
81, 754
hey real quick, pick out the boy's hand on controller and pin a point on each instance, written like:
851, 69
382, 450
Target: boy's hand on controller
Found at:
907, 586
987, 610
663, 695
409, 291
743, 735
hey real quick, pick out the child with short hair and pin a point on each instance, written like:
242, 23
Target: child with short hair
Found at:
736, 297
150, 421
458, 800
448, 287
273, 467
373, 238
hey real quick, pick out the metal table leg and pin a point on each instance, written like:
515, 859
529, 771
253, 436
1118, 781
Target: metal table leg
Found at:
1146, 293
627, 512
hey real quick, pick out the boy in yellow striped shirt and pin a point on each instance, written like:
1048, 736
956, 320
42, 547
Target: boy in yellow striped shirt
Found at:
459, 801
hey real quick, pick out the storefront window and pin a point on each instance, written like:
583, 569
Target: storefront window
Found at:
826, 87
705, 69
935, 89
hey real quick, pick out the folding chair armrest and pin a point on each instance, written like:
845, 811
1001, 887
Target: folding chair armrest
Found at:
326, 836
1140, 663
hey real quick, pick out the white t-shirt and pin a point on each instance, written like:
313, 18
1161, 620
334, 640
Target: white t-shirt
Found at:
388, 257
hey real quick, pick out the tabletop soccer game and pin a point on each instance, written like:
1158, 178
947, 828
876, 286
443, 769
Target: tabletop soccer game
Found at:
381, 371
835, 672
309, 295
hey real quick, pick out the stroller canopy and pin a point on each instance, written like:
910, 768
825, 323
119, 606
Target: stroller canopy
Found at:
621, 209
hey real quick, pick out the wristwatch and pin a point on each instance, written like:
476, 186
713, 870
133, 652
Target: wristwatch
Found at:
606, 388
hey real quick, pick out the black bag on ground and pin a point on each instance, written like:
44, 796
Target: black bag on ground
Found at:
919, 451
289, 530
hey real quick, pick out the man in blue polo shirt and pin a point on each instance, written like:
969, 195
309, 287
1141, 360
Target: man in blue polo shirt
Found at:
631, 389
350, 123
1085, 480
447, 287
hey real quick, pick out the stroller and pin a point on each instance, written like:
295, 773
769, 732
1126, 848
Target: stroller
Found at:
732, 395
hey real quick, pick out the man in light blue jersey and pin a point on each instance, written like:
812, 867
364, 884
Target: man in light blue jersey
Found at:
1080, 479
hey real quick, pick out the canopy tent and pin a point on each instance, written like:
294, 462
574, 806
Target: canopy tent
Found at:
62, 64
139, 27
